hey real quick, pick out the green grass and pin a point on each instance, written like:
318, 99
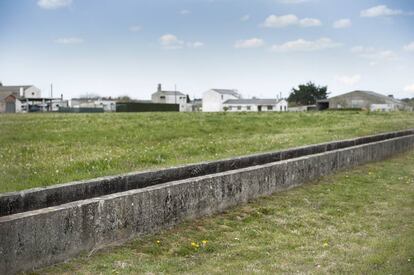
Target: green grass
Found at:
355, 222
45, 149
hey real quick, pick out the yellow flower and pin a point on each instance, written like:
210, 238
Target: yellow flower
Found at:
195, 245
325, 244
158, 242
204, 241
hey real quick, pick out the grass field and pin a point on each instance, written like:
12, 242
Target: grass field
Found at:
44, 149
355, 222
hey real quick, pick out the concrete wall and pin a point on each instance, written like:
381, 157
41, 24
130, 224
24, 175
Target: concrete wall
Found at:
46, 236
16, 202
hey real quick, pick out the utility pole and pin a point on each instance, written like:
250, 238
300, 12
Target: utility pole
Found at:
175, 93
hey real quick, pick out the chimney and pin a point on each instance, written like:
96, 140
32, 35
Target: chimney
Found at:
61, 97
391, 96
1, 83
159, 88
21, 91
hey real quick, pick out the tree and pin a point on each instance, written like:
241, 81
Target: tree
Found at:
307, 94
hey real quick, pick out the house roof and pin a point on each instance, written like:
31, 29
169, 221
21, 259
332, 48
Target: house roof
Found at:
253, 101
170, 93
227, 92
14, 89
372, 94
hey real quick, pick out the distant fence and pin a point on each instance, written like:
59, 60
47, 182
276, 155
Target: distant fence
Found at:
146, 107
80, 110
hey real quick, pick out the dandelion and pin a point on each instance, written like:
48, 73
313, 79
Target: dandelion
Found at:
195, 245
204, 242
325, 244
158, 241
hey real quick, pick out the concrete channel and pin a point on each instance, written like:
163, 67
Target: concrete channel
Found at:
43, 226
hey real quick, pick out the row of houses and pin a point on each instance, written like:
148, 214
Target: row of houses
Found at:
27, 98
219, 100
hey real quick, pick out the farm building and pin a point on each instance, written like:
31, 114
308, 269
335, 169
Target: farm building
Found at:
15, 98
108, 105
364, 100
171, 97
213, 100
255, 105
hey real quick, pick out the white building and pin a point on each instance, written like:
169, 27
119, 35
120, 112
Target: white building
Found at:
108, 105
171, 97
255, 105
213, 100
14, 99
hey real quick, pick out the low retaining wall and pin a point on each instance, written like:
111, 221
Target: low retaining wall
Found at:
42, 237
37, 198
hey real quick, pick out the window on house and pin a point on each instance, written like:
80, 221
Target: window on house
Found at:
222, 97
239, 108
248, 108
285, 107
162, 97
269, 108
281, 108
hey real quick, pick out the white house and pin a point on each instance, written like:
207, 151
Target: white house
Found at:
171, 97
213, 100
255, 105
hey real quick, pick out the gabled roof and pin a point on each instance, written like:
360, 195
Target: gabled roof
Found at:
169, 93
253, 101
227, 92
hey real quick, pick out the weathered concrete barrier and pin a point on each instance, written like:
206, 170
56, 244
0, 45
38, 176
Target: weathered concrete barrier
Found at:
37, 198
45, 236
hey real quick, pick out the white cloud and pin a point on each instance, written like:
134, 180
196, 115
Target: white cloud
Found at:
53, 4
409, 47
348, 80
69, 40
373, 54
245, 18
342, 23
195, 45
170, 41
381, 10
185, 12
302, 45
274, 21
249, 43
409, 88
309, 22
135, 28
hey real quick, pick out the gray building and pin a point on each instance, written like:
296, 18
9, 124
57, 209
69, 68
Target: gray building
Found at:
171, 97
364, 100
13, 99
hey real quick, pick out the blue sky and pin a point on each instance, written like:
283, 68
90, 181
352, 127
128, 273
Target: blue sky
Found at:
261, 48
